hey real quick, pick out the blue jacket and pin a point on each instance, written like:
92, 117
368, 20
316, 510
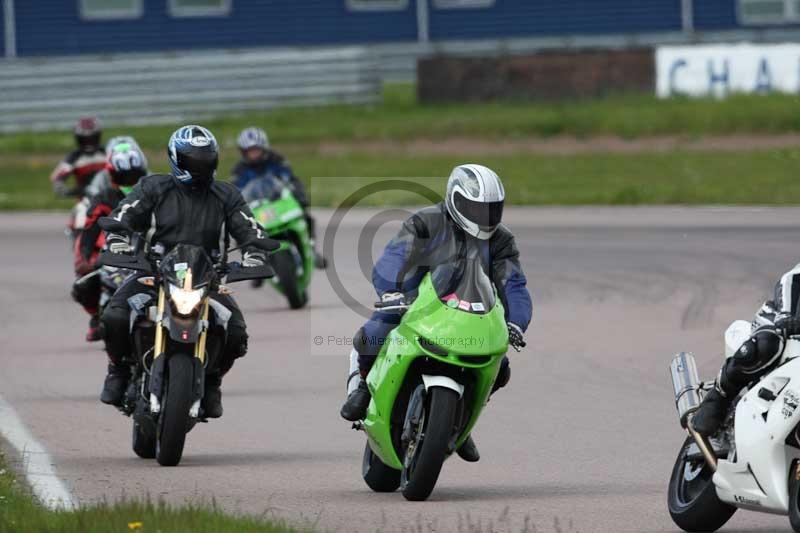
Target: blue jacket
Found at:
430, 238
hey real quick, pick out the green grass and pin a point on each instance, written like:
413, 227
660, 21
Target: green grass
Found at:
400, 117
768, 177
20, 512
744, 177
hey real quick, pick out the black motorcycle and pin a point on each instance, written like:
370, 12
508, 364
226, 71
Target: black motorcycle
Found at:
175, 342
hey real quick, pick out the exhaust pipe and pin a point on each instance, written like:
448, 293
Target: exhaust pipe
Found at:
686, 385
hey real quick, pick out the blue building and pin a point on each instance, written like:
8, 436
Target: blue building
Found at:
65, 27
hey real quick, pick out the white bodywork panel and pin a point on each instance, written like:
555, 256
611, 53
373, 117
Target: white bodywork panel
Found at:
758, 479
442, 381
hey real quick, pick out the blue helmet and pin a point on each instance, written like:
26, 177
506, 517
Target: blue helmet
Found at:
193, 155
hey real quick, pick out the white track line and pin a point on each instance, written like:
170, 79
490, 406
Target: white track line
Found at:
36, 462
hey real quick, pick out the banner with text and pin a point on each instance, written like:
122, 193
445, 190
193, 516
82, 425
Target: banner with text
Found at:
719, 70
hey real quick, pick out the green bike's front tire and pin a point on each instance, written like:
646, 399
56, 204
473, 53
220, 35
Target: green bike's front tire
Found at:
286, 268
377, 475
421, 475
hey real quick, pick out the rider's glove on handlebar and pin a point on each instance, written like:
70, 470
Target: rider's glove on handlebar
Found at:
253, 259
515, 338
789, 325
393, 298
118, 244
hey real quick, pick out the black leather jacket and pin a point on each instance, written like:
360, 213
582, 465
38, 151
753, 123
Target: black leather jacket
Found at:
168, 212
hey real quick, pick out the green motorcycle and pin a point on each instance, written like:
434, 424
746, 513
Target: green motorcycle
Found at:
280, 214
432, 378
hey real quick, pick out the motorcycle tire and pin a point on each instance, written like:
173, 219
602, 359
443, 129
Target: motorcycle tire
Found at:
692, 497
285, 267
794, 497
144, 432
421, 471
376, 474
174, 419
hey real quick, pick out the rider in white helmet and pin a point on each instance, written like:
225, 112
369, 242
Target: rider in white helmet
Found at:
259, 160
467, 220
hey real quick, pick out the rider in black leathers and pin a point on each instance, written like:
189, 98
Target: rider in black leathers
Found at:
774, 322
188, 207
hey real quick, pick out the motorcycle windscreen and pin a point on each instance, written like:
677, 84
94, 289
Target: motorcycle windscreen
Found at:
264, 188
182, 260
463, 284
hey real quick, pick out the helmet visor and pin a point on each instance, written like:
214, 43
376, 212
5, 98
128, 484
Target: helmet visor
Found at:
484, 214
200, 163
128, 177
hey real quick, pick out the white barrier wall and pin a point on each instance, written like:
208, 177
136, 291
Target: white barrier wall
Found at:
718, 70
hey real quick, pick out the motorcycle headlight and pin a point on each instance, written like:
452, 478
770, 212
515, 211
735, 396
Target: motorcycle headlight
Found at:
185, 301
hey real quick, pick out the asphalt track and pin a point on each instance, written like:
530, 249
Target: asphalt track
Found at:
582, 440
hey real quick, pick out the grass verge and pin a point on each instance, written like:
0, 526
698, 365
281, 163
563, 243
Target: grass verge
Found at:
20, 512
766, 177
400, 117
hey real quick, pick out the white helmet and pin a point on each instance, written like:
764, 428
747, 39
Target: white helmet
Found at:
252, 138
475, 198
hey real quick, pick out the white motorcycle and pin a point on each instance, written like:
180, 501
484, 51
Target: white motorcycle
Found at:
754, 461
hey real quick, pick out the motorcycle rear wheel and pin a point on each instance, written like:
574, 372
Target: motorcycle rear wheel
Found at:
144, 432
174, 420
692, 497
377, 475
421, 471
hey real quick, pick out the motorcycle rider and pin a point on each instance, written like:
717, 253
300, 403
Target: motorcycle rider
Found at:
125, 165
259, 160
472, 209
774, 322
83, 162
187, 206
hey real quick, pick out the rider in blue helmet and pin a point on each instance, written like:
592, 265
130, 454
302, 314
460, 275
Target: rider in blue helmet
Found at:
187, 206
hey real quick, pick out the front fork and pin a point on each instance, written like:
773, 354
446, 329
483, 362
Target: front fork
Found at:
159, 361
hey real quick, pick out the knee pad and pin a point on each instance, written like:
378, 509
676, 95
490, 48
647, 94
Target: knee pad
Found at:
360, 342
761, 350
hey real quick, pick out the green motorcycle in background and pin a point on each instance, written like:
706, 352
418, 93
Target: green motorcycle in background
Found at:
432, 379
278, 211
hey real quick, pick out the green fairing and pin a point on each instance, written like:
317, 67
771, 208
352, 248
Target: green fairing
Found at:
463, 333
285, 216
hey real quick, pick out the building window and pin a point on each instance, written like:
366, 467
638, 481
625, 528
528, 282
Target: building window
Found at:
377, 5
110, 9
199, 8
458, 4
769, 11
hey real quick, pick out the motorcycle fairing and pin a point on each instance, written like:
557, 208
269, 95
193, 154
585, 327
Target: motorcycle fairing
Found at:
428, 318
758, 478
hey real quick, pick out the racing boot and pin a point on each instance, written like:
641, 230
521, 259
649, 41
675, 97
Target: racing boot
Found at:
355, 407
711, 414
94, 334
468, 451
212, 398
115, 385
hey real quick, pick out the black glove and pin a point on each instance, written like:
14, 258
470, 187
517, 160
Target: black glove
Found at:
515, 337
789, 325
253, 259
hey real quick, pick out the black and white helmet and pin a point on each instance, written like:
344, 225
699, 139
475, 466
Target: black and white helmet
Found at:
252, 138
475, 198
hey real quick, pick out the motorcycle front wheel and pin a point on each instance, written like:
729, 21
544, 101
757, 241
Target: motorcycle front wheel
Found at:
174, 420
376, 474
285, 267
692, 498
425, 455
